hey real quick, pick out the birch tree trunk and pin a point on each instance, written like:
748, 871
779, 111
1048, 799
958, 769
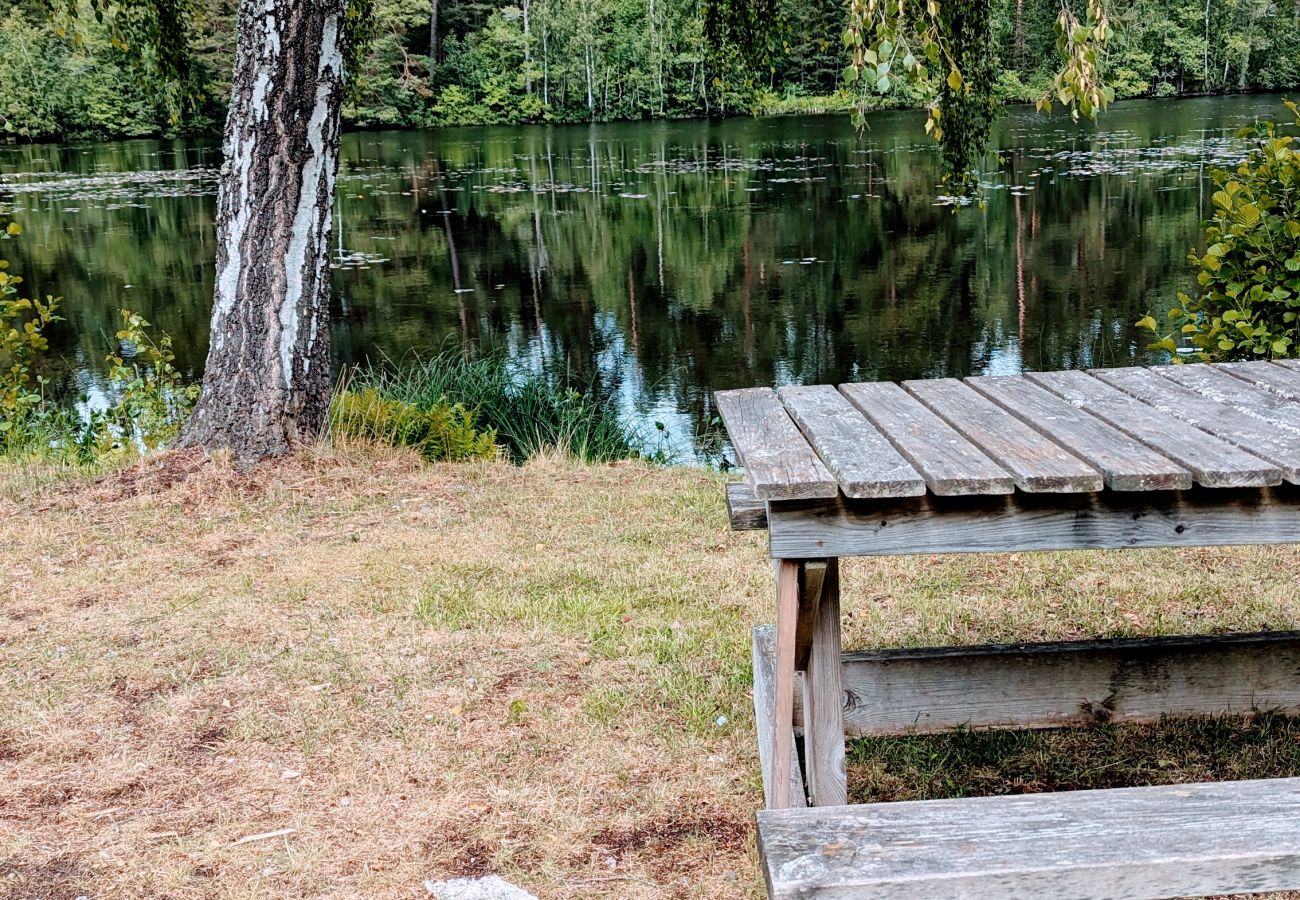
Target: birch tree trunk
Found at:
266, 387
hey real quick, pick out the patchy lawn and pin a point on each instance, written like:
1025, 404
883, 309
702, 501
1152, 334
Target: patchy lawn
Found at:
414, 672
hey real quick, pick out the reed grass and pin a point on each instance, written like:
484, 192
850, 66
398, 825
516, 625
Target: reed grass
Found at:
532, 412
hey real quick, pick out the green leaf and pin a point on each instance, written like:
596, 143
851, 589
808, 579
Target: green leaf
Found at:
954, 80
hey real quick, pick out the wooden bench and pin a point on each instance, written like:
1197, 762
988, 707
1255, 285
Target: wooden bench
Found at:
1171, 841
1170, 456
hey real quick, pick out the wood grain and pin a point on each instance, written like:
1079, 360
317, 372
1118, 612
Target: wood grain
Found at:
778, 461
1201, 517
764, 650
812, 577
864, 463
1259, 438
1280, 380
950, 464
1126, 463
1213, 463
1019, 686
787, 614
823, 696
1038, 463
1146, 842
745, 513
1217, 384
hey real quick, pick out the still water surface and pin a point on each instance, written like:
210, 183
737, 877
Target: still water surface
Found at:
663, 261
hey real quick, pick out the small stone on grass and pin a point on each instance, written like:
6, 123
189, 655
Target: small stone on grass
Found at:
490, 887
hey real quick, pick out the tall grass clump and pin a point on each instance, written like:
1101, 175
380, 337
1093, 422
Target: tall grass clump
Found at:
530, 412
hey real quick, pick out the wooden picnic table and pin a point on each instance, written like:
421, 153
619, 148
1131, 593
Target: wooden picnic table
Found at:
1168, 456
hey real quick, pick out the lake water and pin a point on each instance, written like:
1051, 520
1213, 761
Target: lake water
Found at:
662, 261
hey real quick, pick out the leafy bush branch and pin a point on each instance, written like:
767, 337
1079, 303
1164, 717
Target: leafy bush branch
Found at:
1248, 306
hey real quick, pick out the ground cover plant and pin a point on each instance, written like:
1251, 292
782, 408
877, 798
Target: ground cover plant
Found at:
402, 671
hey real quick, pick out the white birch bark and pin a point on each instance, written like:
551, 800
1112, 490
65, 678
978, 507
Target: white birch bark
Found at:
266, 385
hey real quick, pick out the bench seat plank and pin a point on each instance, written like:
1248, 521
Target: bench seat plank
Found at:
1263, 439
950, 464
1255, 401
778, 461
1147, 842
862, 460
1212, 462
1039, 464
1125, 463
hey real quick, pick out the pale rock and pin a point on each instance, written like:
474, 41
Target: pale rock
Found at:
490, 887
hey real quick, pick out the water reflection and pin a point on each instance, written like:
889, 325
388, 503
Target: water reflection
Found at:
666, 260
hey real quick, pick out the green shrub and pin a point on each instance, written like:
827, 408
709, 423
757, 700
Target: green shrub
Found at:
441, 432
1248, 306
150, 398
153, 400
21, 339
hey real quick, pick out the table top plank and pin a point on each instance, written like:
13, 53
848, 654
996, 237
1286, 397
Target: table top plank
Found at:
1263, 439
1038, 463
1257, 402
950, 464
1212, 462
1126, 463
862, 460
778, 461
1280, 380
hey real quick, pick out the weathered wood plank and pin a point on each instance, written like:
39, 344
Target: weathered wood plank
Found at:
950, 464
1280, 380
778, 461
863, 462
746, 513
1147, 842
1259, 438
1213, 463
787, 614
1200, 517
1218, 385
764, 649
1038, 463
922, 691
823, 696
1126, 463
812, 577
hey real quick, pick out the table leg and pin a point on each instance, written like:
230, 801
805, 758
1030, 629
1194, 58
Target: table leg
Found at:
823, 693
787, 616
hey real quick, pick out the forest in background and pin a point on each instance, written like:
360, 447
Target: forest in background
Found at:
460, 62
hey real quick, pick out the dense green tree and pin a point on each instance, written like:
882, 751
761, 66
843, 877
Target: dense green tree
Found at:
503, 61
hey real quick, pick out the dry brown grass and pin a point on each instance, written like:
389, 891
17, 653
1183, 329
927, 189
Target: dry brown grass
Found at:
437, 671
